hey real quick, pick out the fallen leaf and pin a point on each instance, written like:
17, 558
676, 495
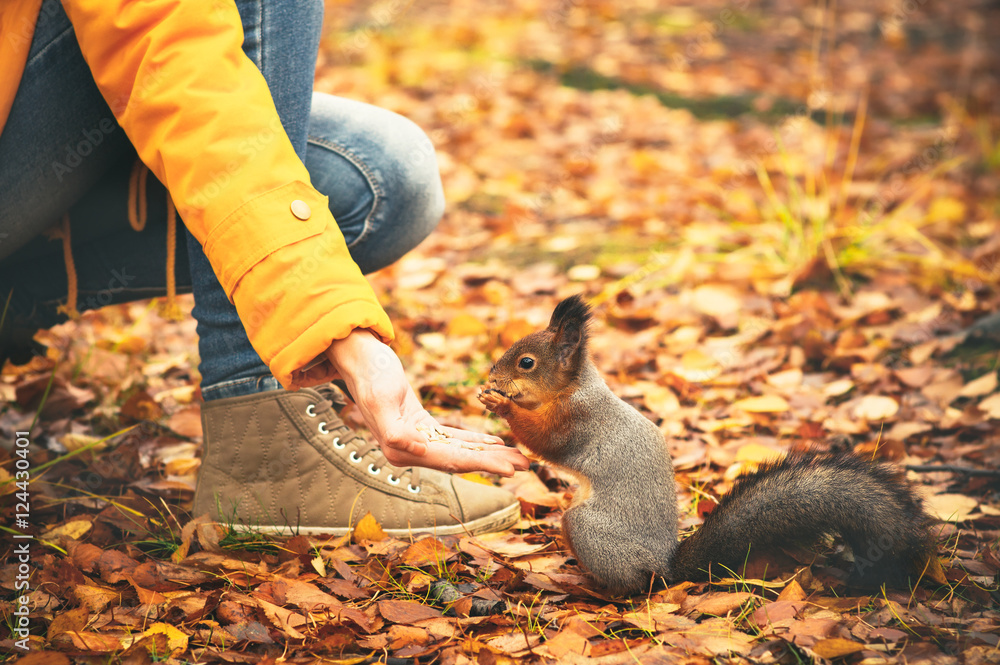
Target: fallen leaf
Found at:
991, 406
406, 611
72, 530
838, 387
762, 404
876, 407
75, 619
466, 325
984, 385
427, 551
369, 529
836, 647
177, 641
950, 507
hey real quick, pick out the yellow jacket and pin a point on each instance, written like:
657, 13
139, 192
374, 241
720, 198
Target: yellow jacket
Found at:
200, 115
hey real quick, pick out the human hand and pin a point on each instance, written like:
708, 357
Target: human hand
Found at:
393, 412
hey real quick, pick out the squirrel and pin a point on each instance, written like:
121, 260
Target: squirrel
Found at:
622, 524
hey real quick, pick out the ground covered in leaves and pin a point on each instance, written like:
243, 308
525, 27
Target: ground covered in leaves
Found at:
786, 215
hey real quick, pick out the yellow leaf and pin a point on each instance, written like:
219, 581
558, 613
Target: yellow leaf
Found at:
131, 344
756, 453
74, 442
319, 565
946, 209
368, 528
176, 640
763, 404
466, 325
6, 482
876, 407
476, 478
698, 367
72, 530
661, 400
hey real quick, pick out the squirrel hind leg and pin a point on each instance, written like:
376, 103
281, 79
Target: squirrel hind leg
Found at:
610, 554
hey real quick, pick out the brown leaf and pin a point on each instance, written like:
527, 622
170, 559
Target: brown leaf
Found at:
43, 658
147, 596
308, 597
85, 556
343, 588
187, 533
141, 406
116, 566
778, 611
186, 422
405, 611
70, 620
716, 603
165, 576
568, 641
284, 620
95, 598
95, 642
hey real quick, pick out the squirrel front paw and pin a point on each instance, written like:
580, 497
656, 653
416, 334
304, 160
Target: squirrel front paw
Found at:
494, 400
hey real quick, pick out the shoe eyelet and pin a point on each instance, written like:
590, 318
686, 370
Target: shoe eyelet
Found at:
413, 490
322, 428
393, 480
311, 410
372, 470
338, 445
354, 457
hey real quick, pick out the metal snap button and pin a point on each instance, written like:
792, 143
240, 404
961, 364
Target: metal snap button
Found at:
301, 209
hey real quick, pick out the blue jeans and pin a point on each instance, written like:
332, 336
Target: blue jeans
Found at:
62, 151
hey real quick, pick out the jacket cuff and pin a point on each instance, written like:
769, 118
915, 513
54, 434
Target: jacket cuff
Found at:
263, 225
301, 297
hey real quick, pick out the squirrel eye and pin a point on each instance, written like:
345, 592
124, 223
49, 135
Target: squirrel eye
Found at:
526, 362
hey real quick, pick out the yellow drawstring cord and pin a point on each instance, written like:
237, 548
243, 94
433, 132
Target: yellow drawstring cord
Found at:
137, 190
169, 309
69, 309
137, 220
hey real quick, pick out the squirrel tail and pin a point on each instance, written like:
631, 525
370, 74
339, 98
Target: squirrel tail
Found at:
803, 496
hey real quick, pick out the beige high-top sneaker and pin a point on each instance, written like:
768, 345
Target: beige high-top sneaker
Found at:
284, 462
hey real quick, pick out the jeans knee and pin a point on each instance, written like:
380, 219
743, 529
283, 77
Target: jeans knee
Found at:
419, 196
380, 171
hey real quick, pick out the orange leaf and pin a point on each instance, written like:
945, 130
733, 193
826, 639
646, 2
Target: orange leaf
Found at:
368, 528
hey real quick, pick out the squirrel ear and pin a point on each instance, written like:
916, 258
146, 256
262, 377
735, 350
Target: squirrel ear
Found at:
569, 323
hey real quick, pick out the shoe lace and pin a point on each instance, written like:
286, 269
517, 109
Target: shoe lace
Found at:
333, 401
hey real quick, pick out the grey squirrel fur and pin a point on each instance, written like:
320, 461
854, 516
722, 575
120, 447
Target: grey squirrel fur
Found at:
622, 525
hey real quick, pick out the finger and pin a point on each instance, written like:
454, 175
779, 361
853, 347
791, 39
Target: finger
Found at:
447, 457
470, 436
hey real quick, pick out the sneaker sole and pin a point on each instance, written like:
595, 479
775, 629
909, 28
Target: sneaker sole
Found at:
498, 521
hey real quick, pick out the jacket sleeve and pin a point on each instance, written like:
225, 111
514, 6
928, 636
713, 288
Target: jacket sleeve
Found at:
200, 116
